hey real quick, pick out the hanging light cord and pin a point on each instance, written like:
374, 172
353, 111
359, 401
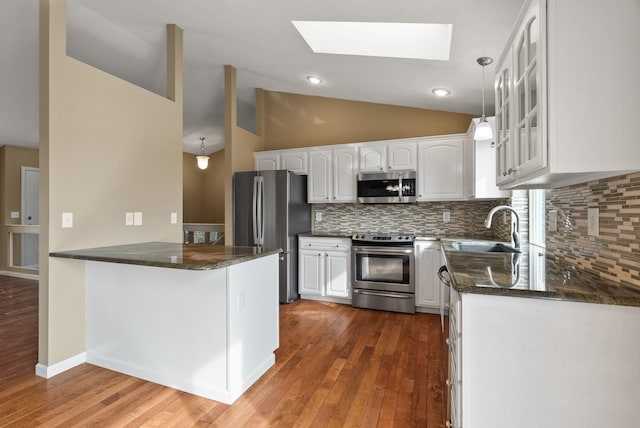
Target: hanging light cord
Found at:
483, 115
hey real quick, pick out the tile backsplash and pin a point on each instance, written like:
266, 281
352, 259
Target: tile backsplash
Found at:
423, 219
615, 253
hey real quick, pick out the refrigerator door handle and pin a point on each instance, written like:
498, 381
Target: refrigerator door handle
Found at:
259, 230
254, 213
262, 210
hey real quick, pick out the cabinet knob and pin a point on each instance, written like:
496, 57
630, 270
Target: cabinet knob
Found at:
389, 166
327, 198
511, 171
504, 173
381, 168
448, 382
447, 341
334, 197
319, 254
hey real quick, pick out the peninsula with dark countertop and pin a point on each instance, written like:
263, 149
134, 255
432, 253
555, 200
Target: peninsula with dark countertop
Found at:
196, 317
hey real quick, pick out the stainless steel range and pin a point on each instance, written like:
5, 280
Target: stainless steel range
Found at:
382, 271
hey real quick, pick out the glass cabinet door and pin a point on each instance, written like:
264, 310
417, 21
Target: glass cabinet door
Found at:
530, 152
504, 143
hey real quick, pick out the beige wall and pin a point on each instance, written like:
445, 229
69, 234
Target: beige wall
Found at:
106, 147
239, 144
293, 120
203, 195
12, 159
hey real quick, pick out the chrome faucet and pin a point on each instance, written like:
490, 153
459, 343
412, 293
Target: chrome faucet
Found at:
515, 229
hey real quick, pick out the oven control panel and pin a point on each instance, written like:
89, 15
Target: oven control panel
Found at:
384, 238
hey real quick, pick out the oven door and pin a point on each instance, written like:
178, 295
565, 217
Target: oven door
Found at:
383, 268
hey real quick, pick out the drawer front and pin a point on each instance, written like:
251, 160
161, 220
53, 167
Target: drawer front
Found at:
325, 244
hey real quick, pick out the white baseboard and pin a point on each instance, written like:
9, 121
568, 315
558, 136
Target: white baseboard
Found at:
35, 277
57, 368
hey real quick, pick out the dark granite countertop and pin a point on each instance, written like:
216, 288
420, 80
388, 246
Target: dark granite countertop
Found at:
325, 235
170, 255
531, 274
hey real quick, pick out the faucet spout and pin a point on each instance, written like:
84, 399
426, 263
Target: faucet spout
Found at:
515, 227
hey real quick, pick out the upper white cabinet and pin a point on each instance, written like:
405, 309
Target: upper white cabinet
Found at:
480, 166
392, 156
295, 161
440, 169
292, 160
266, 161
373, 158
332, 175
558, 122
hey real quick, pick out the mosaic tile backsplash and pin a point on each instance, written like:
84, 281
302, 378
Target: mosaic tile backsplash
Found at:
423, 219
615, 253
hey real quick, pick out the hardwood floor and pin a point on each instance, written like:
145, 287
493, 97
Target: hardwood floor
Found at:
337, 366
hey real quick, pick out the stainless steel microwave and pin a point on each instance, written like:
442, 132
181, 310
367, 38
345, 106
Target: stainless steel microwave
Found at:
397, 187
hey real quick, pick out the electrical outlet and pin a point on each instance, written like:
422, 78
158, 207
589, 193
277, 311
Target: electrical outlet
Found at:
446, 216
67, 220
128, 219
504, 217
318, 215
174, 218
553, 221
593, 222
15, 214
137, 218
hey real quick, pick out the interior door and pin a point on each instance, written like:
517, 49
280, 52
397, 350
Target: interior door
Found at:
30, 181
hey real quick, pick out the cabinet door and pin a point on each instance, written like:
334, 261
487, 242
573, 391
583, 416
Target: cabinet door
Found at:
294, 161
469, 170
373, 158
310, 272
503, 137
401, 156
267, 161
338, 275
440, 165
427, 265
344, 175
530, 146
319, 186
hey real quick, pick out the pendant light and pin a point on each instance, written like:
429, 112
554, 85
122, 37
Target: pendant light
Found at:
203, 161
483, 129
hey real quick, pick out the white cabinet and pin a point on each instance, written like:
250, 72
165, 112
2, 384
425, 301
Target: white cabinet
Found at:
324, 268
480, 166
428, 261
503, 351
292, 160
440, 169
267, 161
392, 156
561, 124
295, 161
373, 158
332, 175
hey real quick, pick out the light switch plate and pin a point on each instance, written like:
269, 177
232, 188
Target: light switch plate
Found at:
128, 219
593, 221
553, 221
137, 218
174, 218
446, 216
67, 220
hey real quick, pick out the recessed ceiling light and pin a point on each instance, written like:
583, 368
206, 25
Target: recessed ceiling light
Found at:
314, 80
441, 92
383, 39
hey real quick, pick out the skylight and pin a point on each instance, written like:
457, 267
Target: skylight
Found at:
383, 39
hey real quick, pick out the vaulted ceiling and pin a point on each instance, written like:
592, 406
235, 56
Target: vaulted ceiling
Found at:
127, 38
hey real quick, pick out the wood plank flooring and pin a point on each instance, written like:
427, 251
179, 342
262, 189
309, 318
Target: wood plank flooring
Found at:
337, 366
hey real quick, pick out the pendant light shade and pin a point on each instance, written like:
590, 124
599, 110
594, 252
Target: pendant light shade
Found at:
483, 129
203, 161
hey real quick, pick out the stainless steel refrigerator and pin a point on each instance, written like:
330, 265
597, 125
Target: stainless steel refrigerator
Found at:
270, 209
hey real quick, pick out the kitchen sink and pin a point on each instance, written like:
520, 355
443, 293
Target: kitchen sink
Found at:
483, 247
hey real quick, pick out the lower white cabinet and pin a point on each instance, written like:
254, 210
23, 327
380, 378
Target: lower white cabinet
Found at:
324, 268
428, 261
530, 363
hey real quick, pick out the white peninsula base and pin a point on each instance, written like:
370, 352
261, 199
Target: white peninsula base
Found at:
208, 332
